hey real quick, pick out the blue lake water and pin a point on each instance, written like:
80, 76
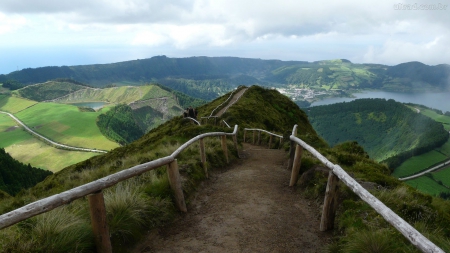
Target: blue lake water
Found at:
93, 105
439, 101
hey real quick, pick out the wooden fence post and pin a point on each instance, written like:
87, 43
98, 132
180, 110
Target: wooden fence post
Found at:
224, 146
259, 137
236, 145
98, 222
291, 150
203, 156
175, 184
245, 132
254, 134
279, 146
330, 203
270, 141
296, 165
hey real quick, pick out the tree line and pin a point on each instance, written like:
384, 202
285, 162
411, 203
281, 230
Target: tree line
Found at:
15, 176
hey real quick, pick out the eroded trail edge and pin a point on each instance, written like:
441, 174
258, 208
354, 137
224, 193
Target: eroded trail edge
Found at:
246, 208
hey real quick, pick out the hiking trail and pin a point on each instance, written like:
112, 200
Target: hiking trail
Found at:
248, 207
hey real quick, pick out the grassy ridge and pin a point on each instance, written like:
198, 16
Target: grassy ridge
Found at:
75, 128
48, 90
124, 94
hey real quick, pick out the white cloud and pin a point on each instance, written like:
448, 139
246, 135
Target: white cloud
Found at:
10, 23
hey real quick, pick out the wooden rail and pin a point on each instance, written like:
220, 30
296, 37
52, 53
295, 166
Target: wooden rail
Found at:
98, 218
337, 173
259, 135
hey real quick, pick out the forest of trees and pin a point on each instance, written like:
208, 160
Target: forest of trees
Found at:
119, 125
12, 85
15, 176
389, 131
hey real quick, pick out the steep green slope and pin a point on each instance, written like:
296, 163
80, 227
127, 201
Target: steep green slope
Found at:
49, 90
388, 130
118, 124
15, 176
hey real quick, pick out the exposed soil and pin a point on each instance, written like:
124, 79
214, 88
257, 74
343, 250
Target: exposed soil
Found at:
246, 208
9, 129
235, 98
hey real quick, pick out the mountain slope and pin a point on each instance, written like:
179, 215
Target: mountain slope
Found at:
207, 77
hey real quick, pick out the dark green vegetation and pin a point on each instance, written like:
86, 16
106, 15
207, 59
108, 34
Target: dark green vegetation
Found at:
206, 77
118, 124
12, 85
15, 176
388, 130
49, 90
139, 204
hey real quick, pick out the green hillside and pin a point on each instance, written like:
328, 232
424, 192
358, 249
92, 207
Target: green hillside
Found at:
388, 130
140, 204
118, 124
209, 77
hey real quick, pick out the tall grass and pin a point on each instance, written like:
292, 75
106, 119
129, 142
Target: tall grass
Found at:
61, 230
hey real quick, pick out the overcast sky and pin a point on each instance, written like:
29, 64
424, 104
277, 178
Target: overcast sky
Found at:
77, 32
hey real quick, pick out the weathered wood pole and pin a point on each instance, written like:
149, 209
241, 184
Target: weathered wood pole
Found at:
236, 144
259, 137
203, 156
98, 222
175, 184
296, 165
279, 146
224, 146
291, 150
254, 134
245, 132
330, 203
270, 141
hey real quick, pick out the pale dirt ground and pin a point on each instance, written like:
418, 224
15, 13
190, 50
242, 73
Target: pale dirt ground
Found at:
248, 207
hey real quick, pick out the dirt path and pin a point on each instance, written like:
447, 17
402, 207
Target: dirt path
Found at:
233, 100
247, 208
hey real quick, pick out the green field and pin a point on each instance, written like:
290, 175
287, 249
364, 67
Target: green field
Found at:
10, 133
14, 104
418, 163
427, 185
25, 148
66, 124
43, 156
443, 176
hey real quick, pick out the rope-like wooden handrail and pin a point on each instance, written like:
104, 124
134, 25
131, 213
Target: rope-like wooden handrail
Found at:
262, 130
416, 238
54, 201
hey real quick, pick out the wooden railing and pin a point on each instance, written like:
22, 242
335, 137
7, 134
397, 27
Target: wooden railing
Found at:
330, 202
259, 131
94, 190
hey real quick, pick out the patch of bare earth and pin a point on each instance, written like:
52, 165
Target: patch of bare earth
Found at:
247, 208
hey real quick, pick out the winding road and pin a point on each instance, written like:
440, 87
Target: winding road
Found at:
426, 171
57, 145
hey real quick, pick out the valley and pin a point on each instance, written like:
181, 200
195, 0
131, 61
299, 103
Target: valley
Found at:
59, 119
